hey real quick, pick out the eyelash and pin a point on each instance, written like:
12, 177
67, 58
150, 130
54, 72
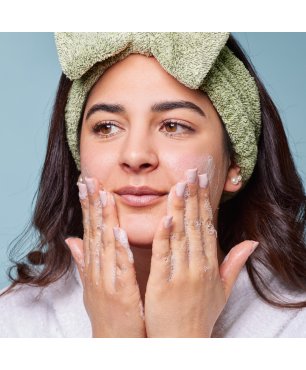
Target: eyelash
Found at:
96, 129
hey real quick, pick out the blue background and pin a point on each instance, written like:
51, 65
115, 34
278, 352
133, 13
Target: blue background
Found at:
29, 74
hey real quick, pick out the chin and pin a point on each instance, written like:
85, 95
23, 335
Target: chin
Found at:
140, 229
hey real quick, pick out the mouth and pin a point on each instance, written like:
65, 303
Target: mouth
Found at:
141, 200
140, 196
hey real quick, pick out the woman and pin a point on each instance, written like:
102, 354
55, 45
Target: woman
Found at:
183, 170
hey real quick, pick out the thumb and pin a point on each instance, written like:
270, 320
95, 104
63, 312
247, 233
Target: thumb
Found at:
76, 247
234, 262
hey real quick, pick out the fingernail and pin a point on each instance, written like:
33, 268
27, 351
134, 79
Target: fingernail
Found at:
90, 185
82, 191
203, 180
180, 188
80, 179
254, 246
121, 237
103, 197
167, 221
191, 175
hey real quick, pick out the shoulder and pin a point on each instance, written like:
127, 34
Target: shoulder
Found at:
18, 308
246, 314
29, 311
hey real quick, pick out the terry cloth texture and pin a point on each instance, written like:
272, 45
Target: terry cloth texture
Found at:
58, 311
199, 60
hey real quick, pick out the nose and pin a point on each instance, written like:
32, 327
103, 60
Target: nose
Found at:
138, 152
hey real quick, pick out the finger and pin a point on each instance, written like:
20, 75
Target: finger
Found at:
95, 228
125, 270
234, 262
108, 257
192, 221
178, 240
83, 196
161, 253
209, 233
76, 247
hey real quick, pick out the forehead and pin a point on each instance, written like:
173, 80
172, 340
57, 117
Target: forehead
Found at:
143, 78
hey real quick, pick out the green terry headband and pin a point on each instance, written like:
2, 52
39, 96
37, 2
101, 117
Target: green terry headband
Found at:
199, 60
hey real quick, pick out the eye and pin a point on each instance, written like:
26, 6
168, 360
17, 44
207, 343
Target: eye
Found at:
104, 129
174, 125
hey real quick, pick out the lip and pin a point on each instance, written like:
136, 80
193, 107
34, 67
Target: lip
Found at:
140, 200
139, 196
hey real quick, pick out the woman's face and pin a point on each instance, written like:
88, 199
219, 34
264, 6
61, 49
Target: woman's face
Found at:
139, 146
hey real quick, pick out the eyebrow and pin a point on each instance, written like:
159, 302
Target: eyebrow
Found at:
157, 107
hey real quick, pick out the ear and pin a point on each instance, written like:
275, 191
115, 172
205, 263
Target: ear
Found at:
233, 171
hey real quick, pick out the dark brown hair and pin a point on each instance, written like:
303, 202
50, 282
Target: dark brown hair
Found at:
269, 209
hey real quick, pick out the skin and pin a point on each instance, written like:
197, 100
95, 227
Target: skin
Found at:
141, 153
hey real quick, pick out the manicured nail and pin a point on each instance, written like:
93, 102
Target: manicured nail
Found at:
180, 188
121, 237
103, 197
191, 175
167, 221
254, 246
203, 180
82, 191
80, 179
90, 185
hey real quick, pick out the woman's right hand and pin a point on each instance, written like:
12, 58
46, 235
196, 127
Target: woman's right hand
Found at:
106, 267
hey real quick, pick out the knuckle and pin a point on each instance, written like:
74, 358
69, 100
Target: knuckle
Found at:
178, 235
108, 244
91, 233
191, 191
197, 251
161, 255
209, 226
179, 204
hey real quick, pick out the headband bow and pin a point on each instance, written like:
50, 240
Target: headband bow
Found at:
178, 53
199, 60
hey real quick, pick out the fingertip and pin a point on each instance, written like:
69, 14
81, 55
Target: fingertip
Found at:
254, 245
167, 221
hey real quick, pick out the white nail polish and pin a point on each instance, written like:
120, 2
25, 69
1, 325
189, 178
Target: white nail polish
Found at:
191, 175
254, 246
103, 197
180, 188
82, 191
203, 180
90, 185
167, 221
121, 237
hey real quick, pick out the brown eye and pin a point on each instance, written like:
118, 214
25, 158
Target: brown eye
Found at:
172, 126
105, 129
176, 128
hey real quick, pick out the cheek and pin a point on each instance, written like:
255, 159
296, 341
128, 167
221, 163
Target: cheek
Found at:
210, 163
178, 164
95, 163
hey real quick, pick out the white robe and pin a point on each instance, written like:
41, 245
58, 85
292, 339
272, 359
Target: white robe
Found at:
58, 311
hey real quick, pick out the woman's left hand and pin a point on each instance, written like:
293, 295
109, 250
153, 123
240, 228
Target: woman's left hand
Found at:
186, 289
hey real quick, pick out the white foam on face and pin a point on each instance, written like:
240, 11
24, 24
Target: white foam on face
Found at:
204, 163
